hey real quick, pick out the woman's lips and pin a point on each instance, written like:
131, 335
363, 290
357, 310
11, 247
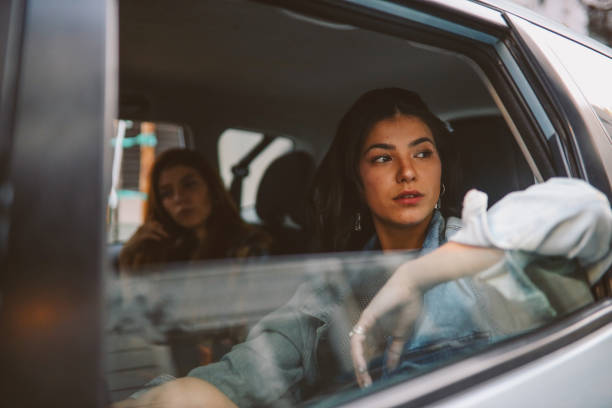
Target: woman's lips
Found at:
186, 212
408, 197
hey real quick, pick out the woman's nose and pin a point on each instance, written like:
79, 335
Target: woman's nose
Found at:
178, 196
406, 171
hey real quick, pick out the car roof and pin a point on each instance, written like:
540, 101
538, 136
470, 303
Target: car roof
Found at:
247, 65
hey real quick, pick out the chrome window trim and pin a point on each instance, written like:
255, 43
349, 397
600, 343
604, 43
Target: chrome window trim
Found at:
526, 90
473, 9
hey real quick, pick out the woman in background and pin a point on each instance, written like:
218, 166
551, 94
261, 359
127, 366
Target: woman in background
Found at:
189, 217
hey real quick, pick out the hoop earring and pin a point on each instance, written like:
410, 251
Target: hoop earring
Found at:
443, 190
357, 225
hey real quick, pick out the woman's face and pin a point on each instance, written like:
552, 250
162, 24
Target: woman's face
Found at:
400, 170
184, 195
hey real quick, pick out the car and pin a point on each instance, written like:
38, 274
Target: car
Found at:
526, 98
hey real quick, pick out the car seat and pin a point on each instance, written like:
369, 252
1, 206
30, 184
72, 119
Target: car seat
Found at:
489, 158
281, 201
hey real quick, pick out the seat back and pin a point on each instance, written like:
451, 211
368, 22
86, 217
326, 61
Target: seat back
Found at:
489, 158
282, 199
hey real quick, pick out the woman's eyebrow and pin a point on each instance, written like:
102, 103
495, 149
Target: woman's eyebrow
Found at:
387, 146
188, 176
384, 146
421, 140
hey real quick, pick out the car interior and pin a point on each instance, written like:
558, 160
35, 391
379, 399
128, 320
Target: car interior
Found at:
210, 66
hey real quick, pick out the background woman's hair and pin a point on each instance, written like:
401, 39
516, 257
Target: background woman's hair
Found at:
337, 188
224, 223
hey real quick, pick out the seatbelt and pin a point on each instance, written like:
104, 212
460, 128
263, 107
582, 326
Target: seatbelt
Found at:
241, 169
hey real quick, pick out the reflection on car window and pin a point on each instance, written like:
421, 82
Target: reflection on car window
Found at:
183, 319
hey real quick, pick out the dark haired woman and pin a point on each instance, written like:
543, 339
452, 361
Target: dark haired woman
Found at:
380, 186
189, 216
351, 188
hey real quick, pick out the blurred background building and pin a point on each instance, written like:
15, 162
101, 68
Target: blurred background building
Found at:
590, 17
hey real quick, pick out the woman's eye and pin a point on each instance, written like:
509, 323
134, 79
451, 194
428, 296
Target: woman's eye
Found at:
164, 194
190, 184
380, 159
424, 154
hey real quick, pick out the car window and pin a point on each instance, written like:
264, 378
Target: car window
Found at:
135, 146
188, 313
170, 322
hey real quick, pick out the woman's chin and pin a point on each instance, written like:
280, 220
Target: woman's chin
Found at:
410, 220
188, 224
193, 224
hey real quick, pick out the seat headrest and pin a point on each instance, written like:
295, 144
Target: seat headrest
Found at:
284, 188
489, 157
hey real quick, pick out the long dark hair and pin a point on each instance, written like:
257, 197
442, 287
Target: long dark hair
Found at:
224, 223
337, 188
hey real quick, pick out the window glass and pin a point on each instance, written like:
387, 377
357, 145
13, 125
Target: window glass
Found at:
135, 146
591, 71
234, 144
170, 322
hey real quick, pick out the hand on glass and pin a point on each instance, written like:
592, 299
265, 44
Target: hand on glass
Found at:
400, 300
150, 230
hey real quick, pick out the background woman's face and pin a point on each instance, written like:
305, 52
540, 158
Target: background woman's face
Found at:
184, 195
400, 169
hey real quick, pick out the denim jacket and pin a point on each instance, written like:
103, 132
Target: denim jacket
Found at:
551, 233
